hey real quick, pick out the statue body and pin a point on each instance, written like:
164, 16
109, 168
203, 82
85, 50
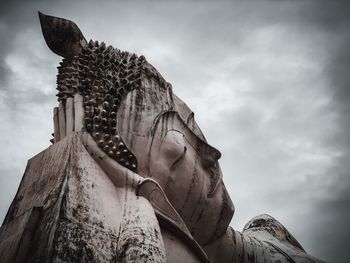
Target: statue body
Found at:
130, 177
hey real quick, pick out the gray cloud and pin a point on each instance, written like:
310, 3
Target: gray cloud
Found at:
268, 81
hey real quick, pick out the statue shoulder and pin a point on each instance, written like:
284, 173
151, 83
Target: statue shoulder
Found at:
267, 229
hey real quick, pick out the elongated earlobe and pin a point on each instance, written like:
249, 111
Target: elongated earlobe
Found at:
62, 36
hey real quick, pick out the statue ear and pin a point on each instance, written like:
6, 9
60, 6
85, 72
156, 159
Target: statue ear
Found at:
62, 36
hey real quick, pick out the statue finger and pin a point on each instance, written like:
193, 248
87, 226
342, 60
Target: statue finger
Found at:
78, 112
62, 120
56, 125
69, 116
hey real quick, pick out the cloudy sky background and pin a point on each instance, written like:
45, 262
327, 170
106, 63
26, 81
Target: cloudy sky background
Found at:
269, 83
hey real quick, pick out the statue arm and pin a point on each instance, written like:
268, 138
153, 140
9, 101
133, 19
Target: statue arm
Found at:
139, 231
263, 239
236, 247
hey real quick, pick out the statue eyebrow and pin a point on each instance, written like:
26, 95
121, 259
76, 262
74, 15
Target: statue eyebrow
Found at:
204, 149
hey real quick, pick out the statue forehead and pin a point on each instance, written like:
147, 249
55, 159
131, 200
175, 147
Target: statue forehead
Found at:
187, 116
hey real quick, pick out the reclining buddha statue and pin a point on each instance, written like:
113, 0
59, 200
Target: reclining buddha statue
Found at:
129, 176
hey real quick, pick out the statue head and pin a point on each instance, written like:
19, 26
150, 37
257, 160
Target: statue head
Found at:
134, 117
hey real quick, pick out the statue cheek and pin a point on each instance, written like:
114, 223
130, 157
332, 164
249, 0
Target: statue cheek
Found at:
166, 156
172, 148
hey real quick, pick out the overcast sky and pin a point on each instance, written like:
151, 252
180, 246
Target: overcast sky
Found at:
269, 82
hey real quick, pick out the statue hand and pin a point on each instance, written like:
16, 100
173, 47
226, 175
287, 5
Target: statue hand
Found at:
69, 118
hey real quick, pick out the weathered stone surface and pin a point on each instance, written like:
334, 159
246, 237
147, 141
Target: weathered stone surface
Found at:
16, 237
83, 218
130, 176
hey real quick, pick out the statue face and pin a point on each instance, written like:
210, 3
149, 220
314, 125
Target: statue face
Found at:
134, 117
188, 170
170, 148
